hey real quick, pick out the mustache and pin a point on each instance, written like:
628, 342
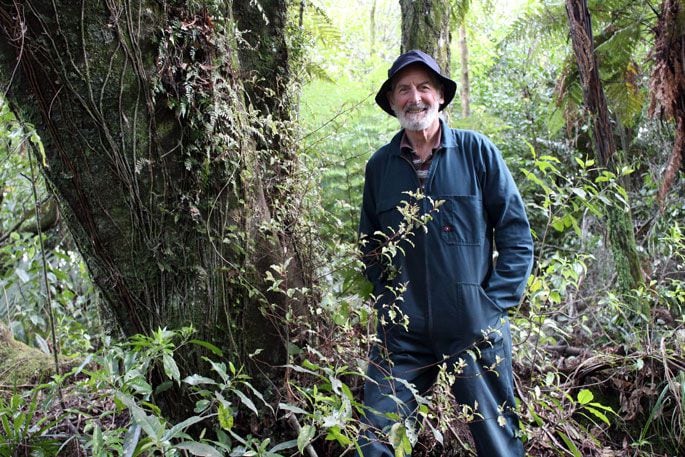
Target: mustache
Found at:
416, 106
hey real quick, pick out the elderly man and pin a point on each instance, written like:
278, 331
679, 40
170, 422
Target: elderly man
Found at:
442, 299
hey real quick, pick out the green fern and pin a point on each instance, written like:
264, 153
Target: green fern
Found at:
546, 22
320, 25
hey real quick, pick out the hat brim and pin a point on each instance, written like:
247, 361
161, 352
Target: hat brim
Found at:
449, 88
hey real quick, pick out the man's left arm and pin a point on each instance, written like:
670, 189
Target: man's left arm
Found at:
513, 241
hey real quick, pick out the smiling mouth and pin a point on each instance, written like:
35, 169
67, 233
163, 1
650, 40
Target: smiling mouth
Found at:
416, 109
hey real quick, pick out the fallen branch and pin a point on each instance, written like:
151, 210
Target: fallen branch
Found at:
295, 424
566, 350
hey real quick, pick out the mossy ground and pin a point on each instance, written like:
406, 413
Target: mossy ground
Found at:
22, 364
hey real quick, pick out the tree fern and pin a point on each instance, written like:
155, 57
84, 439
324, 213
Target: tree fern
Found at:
620, 34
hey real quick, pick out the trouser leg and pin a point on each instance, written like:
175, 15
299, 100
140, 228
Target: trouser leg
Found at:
389, 401
486, 384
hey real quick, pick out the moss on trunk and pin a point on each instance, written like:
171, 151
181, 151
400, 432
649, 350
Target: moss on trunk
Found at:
426, 26
22, 364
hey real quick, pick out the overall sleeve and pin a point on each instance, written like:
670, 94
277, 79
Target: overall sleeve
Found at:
368, 226
513, 241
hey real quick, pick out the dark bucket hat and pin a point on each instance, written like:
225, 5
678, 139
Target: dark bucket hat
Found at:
408, 58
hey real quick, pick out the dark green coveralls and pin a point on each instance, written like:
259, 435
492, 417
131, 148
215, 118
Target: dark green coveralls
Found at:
456, 297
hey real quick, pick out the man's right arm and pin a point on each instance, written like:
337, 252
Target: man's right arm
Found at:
368, 225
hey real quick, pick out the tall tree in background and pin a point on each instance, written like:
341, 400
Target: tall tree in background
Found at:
372, 27
464, 87
668, 82
620, 224
161, 163
426, 26
460, 9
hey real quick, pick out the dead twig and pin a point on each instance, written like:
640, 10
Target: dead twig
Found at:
295, 424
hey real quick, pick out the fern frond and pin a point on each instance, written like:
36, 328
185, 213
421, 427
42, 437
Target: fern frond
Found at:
316, 71
625, 100
320, 24
546, 22
459, 10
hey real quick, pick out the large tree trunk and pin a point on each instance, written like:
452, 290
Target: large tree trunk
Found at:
426, 26
620, 226
151, 150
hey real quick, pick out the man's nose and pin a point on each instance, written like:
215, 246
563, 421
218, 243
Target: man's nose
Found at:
415, 95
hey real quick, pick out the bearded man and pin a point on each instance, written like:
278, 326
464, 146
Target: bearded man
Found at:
441, 298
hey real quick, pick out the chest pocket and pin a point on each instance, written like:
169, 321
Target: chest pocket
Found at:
461, 220
389, 214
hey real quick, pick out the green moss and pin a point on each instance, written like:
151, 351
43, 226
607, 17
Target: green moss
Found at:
22, 364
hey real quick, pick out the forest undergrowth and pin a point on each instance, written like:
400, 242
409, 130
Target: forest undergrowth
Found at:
593, 377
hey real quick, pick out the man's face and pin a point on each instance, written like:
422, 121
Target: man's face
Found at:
416, 98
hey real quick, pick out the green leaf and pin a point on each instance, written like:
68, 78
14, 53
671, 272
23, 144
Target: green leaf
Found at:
225, 417
585, 397
98, 441
437, 434
292, 408
150, 424
196, 379
399, 440
201, 405
201, 449
558, 224
131, 440
246, 401
283, 446
140, 385
597, 413
163, 387
569, 444
601, 406
170, 367
215, 350
258, 394
579, 192
305, 437
334, 434
173, 431
219, 368
22, 275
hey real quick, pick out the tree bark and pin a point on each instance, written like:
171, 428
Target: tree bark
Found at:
151, 150
426, 26
620, 226
668, 84
465, 86
372, 28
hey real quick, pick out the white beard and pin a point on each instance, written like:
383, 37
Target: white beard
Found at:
416, 121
